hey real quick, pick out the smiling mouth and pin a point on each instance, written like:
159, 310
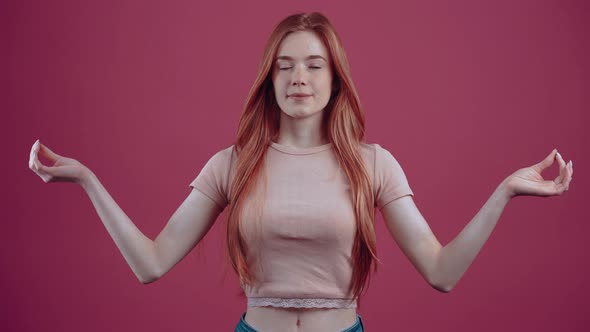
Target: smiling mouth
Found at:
299, 97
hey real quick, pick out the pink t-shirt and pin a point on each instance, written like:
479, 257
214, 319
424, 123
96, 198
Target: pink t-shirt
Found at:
300, 237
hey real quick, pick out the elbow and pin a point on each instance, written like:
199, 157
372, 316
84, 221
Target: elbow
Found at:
443, 288
149, 278
146, 281
150, 274
443, 282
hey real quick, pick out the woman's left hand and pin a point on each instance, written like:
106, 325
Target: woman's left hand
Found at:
528, 181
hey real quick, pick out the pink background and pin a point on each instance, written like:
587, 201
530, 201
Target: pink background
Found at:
143, 93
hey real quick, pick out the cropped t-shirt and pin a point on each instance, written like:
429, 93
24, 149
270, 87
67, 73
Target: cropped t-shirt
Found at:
300, 237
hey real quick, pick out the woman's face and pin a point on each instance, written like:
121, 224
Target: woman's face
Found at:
302, 76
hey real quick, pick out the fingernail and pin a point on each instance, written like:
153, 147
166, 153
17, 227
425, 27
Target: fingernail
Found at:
559, 155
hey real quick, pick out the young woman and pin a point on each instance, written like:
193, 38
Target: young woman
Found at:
301, 187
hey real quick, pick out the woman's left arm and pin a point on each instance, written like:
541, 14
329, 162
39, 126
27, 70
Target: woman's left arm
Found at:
442, 267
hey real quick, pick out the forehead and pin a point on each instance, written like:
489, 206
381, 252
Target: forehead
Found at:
301, 45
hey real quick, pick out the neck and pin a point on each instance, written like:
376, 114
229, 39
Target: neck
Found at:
302, 132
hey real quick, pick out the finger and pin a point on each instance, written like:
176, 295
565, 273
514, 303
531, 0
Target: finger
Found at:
567, 177
32, 154
562, 169
34, 160
36, 156
550, 188
35, 165
42, 171
570, 172
46, 173
548, 161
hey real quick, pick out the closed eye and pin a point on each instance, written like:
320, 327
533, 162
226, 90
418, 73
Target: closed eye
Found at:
312, 67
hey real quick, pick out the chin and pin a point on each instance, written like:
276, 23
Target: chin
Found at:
300, 114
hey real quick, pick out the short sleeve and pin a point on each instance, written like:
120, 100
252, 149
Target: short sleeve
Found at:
390, 180
213, 180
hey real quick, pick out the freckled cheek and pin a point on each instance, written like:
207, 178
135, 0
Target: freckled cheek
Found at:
279, 89
327, 88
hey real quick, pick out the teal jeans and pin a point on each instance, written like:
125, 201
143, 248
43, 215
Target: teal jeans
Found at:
244, 327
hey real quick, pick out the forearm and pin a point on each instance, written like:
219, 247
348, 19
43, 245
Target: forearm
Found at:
138, 250
457, 255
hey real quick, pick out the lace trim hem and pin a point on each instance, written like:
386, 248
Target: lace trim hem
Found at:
300, 303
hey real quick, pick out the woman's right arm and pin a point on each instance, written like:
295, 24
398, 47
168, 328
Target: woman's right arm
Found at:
148, 259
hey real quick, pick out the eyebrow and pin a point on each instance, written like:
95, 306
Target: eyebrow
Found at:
286, 57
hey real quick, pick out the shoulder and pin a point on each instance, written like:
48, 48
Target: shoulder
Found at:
378, 159
389, 178
218, 166
368, 149
372, 147
214, 178
223, 156
375, 151
369, 155
225, 152
372, 152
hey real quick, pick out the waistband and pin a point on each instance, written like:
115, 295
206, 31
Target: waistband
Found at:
300, 302
242, 326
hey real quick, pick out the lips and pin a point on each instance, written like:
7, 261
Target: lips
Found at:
299, 95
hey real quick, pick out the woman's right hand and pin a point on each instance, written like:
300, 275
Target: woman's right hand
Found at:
63, 169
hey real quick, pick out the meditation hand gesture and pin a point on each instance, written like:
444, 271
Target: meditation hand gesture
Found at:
63, 170
528, 181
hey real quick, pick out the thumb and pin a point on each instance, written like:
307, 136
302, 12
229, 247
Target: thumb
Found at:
548, 161
46, 152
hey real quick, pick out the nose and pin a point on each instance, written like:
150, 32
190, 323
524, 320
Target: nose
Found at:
299, 76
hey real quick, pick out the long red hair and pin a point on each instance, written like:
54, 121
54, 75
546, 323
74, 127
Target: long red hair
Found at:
344, 125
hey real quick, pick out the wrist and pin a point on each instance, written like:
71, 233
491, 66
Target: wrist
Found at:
86, 177
506, 189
